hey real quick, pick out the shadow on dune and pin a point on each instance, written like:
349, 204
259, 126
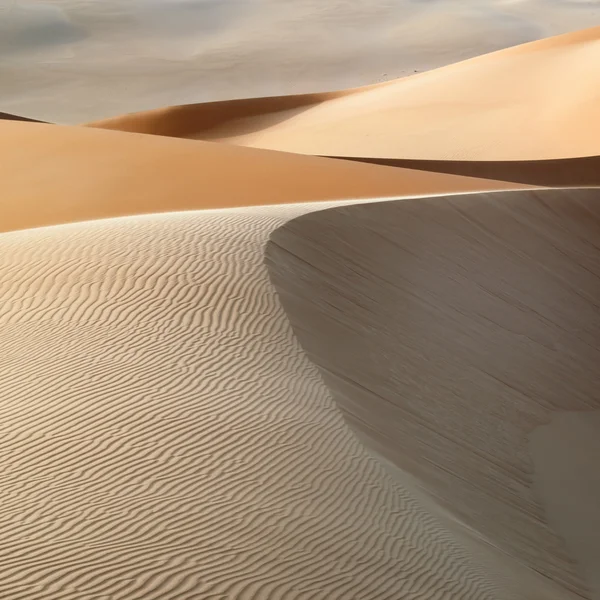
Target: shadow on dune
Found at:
9, 117
93, 173
564, 172
214, 119
448, 329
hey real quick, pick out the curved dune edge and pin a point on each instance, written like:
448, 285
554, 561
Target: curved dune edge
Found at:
124, 332
445, 345
55, 174
167, 327
514, 104
566, 172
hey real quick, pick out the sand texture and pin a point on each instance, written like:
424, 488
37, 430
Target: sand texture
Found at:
120, 174
165, 437
288, 344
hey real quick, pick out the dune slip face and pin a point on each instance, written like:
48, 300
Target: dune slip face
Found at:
449, 331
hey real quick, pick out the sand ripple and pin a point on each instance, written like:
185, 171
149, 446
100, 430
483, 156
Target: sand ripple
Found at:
163, 435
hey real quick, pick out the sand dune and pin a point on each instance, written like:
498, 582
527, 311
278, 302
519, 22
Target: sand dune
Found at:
55, 174
301, 391
531, 102
190, 483
167, 437
449, 330
9, 117
58, 58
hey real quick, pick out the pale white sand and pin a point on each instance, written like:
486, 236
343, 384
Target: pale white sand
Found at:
74, 61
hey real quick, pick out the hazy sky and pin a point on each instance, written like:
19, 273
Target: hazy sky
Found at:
74, 60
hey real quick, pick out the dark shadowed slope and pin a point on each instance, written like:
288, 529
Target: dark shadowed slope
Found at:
566, 172
9, 117
450, 329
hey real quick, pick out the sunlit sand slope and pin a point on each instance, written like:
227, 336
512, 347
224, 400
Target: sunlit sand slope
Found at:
530, 102
164, 436
54, 174
451, 329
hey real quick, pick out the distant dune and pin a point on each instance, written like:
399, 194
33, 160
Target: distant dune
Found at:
327, 346
59, 58
565, 172
55, 174
515, 104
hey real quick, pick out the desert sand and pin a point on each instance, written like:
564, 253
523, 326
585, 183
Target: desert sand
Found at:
236, 368
169, 439
448, 330
73, 61
120, 174
514, 104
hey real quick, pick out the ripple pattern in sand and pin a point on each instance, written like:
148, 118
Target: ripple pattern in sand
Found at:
164, 437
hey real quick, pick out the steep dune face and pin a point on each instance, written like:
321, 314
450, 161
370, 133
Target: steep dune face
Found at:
168, 438
532, 102
449, 330
54, 174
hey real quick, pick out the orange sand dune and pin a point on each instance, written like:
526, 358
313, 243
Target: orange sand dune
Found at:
530, 102
55, 174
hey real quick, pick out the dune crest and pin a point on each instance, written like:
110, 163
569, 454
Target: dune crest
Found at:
167, 438
55, 174
60, 56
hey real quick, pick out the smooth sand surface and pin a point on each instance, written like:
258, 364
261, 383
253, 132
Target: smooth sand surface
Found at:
565, 455
56, 174
448, 330
58, 58
531, 102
